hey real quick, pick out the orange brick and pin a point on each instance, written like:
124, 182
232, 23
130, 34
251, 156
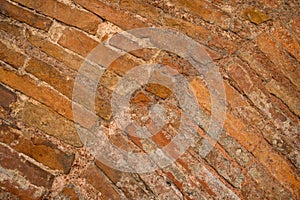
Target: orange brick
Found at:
37, 148
11, 57
119, 18
46, 96
281, 60
11, 28
72, 16
286, 94
196, 32
23, 15
51, 75
286, 40
77, 42
72, 61
296, 26
205, 10
278, 167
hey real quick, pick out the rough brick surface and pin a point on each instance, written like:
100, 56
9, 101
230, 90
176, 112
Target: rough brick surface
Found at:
253, 44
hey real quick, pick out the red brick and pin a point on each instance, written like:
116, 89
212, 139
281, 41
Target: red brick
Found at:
100, 182
131, 187
77, 42
46, 95
23, 15
37, 176
6, 97
119, 18
19, 188
11, 57
286, 40
71, 16
37, 148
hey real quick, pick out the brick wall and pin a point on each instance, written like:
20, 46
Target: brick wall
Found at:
255, 45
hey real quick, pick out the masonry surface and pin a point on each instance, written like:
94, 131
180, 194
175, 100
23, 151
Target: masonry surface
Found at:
254, 44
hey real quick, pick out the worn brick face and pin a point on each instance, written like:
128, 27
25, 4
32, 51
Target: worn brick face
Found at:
25, 15
254, 45
64, 13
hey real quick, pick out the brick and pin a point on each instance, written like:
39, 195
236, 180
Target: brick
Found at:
259, 63
281, 60
224, 44
122, 64
12, 161
6, 97
100, 182
59, 53
7, 195
51, 75
37, 148
71, 16
286, 94
235, 150
119, 18
18, 187
23, 15
237, 129
11, 57
254, 15
286, 40
43, 118
225, 168
295, 25
11, 28
251, 190
204, 10
263, 180
198, 33
69, 192
131, 187
160, 185
46, 96
210, 181
277, 166
77, 42
159, 90
141, 8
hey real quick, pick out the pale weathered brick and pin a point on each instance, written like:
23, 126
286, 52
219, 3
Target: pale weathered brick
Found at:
52, 123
